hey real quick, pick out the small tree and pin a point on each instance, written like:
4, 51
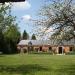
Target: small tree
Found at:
25, 35
33, 37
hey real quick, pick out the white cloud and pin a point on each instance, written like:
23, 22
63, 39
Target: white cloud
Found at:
26, 17
21, 5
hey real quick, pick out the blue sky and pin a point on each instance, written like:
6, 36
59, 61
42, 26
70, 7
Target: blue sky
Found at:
24, 11
27, 11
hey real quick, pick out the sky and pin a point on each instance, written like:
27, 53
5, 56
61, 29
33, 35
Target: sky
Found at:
25, 11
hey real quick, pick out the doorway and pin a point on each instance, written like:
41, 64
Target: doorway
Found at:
70, 48
60, 50
40, 48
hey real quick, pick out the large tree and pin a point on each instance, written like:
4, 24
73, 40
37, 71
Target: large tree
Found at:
60, 15
2, 42
9, 33
12, 36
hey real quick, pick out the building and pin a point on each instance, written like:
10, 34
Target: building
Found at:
46, 46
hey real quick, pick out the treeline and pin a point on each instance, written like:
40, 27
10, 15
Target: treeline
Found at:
25, 36
9, 31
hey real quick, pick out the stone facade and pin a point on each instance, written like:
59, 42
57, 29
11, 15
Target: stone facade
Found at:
53, 49
43, 47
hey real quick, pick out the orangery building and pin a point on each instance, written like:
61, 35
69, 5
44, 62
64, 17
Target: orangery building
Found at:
56, 47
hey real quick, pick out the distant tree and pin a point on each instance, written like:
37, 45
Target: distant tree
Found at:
33, 37
25, 35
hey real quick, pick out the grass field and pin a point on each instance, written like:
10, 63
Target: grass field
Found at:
37, 64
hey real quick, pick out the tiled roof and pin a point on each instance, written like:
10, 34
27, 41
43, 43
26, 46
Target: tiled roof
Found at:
46, 42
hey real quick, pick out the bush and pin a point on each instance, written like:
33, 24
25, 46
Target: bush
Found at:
71, 53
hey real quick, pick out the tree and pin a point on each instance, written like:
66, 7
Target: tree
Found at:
3, 17
2, 42
9, 33
59, 14
3, 12
12, 36
25, 35
33, 37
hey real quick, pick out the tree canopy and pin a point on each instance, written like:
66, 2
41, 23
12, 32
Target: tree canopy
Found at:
60, 15
25, 35
33, 37
9, 31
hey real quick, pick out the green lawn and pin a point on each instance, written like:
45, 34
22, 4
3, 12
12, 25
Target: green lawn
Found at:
37, 64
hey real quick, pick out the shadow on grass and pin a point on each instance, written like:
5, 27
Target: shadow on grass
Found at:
22, 69
41, 53
66, 70
1, 55
33, 68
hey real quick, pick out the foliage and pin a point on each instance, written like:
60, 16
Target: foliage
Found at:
10, 34
2, 42
25, 35
60, 15
13, 33
33, 37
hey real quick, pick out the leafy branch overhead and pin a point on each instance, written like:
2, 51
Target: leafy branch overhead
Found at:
60, 15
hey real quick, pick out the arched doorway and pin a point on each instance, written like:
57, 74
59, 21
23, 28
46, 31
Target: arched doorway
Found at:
40, 48
60, 50
70, 48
